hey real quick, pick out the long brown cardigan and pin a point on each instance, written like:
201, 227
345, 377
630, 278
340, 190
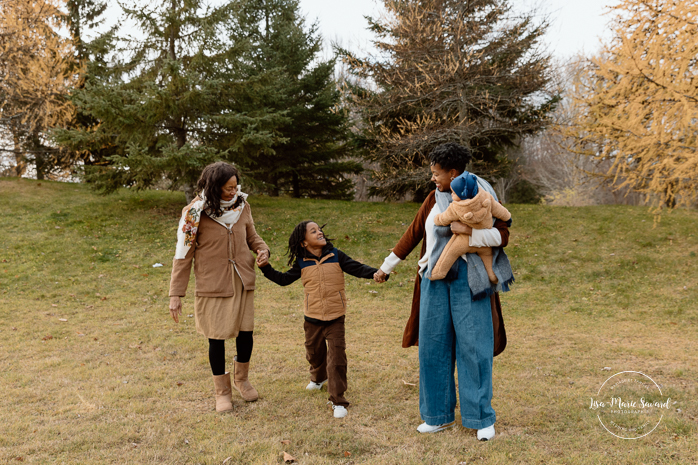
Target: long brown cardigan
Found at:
415, 233
215, 249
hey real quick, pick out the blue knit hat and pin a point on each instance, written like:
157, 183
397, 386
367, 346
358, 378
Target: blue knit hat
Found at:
465, 186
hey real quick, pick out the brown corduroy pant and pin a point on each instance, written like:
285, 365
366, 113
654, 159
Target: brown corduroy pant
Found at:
325, 350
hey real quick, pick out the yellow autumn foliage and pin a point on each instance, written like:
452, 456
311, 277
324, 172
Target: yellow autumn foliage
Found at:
637, 101
37, 71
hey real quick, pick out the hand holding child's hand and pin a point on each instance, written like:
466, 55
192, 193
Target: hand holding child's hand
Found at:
262, 258
379, 276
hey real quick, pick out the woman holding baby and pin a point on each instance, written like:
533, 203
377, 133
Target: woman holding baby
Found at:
455, 318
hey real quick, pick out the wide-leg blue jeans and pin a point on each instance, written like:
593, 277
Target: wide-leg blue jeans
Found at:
454, 330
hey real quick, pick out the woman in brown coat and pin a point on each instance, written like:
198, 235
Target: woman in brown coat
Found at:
456, 323
217, 232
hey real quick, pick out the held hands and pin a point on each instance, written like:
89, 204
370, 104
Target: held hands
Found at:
262, 258
175, 308
379, 276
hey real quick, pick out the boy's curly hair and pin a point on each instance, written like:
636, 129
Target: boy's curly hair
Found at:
295, 247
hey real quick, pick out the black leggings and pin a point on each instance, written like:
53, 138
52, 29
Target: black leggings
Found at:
216, 351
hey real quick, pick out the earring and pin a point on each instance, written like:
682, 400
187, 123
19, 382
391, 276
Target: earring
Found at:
452, 178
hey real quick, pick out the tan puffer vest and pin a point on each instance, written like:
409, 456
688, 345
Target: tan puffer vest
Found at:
323, 281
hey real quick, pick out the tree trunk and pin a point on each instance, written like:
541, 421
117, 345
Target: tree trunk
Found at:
20, 158
189, 191
296, 186
40, 162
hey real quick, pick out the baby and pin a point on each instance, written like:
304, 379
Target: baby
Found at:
475, 208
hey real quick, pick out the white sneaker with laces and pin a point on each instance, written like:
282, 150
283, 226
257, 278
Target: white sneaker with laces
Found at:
313, 386
485, 434
424, 428
340, 411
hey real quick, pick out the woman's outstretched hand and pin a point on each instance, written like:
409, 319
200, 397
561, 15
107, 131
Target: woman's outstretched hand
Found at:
380, 276
262, 258
175, 308
459, 228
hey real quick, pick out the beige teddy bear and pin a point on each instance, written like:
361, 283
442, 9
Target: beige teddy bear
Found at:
476, 213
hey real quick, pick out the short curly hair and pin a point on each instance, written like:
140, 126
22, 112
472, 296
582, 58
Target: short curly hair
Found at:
451, 156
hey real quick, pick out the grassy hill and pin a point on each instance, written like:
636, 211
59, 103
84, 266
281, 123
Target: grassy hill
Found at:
93, 369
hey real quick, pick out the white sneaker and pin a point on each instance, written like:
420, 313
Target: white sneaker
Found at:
313, 386
424, 428
485, 434
340, 411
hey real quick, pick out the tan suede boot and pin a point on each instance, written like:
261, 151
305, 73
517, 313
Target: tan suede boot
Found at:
224, 393
241, 383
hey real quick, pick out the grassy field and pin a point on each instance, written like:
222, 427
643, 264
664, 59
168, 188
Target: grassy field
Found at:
93, 369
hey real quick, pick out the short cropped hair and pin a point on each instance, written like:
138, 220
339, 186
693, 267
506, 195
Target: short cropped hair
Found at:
451, 156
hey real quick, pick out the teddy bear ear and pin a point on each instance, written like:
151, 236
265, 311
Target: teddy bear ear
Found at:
468, 215
486, 203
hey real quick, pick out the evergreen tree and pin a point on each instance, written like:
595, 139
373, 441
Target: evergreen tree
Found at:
175, 100
310, 159
84, 15
448, 71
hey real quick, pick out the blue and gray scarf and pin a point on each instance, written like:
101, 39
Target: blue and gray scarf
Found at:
480, 285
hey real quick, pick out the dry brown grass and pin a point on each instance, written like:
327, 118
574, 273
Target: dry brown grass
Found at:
119, 382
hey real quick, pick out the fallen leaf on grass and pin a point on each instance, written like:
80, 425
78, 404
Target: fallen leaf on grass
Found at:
47, 337
101, 276
62, 319
144, 274
408, 384
94, 248
226, 460
286, 441
136, 266
14, 329
54, 305
179, 383
288, 458
347, 453
19, 459
103, 298
89, 306
606, 369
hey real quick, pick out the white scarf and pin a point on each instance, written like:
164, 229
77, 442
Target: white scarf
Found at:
189, 223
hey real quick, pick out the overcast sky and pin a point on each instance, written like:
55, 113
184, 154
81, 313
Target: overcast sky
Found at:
576, 25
